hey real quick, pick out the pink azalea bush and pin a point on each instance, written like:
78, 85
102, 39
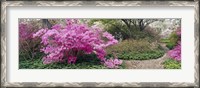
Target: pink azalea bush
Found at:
175, 53
178, 32
25, 32
65, 43
26, 42
113, 63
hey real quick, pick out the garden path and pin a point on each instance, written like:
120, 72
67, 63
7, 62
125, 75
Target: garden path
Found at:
147, 64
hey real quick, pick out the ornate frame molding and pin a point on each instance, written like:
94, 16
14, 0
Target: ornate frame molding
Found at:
5, 4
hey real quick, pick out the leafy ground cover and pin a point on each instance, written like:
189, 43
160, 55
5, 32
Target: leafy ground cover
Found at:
85, 62
172, 64
141, 56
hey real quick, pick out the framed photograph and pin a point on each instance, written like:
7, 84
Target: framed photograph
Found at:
100, 43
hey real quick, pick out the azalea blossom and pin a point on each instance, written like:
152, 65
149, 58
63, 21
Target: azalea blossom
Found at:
175, 53
25, 32
61, 43
178, 32
113, 63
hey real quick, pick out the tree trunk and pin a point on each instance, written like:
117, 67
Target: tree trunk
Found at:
46, 23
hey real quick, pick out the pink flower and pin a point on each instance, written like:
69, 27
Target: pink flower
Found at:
178, 32
66, 43
71, 59
175, 53
57, 27
112, 63
117, 61
39, 33
25, 31
109, 64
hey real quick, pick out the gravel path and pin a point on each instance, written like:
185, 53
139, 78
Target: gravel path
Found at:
147, 64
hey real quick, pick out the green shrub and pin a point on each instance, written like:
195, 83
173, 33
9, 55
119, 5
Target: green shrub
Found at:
136, 49
170, 45
129, 46
172, 64
121, 31
164, 40
173, 39
134, 33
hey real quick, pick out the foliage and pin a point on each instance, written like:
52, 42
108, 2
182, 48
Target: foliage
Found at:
136, 49
113, 26
175, 53
141, 56
113, 63
173, 40
27, 44
164, 40
141, 24
132, 46
174, 62
83, 62
93, 44
62, 44
127, 29
166, 26
37, 63
171, 64
170, 45
151, 34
